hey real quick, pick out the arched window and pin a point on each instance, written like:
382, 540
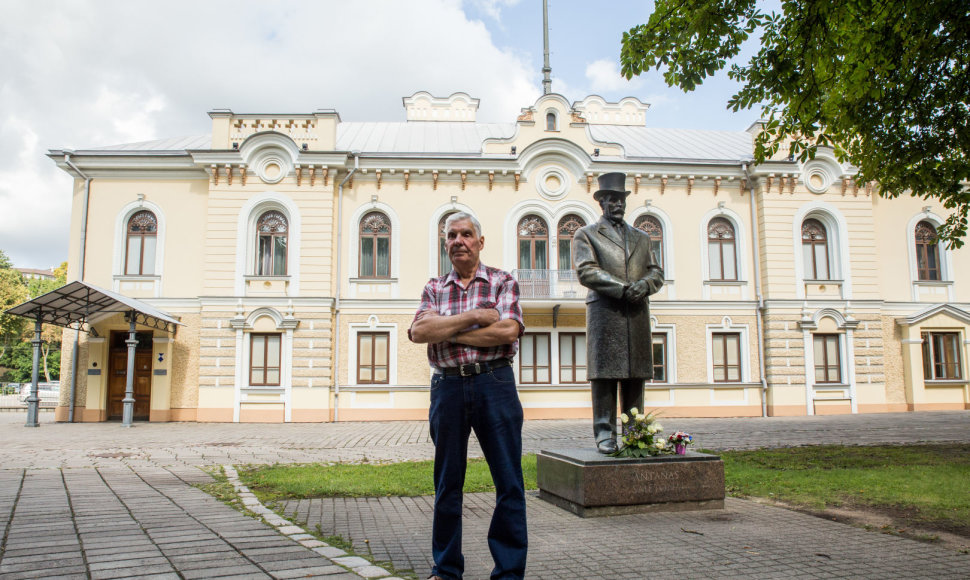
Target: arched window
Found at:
551, 122
815, 250
141, 237
651, 226
533, 243
375, 246
721, 253
568, 226
271, 242
927, 252
444, 262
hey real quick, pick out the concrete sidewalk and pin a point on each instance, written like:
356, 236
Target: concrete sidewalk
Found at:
97, 501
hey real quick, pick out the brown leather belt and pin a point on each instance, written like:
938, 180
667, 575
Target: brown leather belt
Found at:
472, 369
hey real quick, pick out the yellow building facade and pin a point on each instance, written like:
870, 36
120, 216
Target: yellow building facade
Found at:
294, 249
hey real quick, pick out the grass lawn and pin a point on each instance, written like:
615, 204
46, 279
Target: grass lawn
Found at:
926, 485
409, 478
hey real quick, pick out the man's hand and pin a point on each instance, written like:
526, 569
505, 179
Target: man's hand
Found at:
429, 326
485, 316
636, 292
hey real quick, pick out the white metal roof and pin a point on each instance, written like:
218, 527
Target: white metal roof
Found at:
170, 144
445, 138
689, 144
419, 136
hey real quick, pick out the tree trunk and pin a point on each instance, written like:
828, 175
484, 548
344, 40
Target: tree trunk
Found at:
45, 349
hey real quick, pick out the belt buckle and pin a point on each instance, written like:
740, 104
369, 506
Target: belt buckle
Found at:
470, 369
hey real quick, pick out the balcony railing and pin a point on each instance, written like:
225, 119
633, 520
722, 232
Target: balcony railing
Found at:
549, 284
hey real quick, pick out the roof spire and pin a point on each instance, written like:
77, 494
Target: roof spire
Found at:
546, 69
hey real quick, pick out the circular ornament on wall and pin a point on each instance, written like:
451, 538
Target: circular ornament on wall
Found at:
552, 183
818, 176
272, 168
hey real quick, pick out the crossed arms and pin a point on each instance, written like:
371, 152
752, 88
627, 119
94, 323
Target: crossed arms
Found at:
476, 327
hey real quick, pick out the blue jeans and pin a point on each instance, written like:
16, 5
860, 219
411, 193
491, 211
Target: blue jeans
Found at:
489, 404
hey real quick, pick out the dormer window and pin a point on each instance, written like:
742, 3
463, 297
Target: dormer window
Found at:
552, 121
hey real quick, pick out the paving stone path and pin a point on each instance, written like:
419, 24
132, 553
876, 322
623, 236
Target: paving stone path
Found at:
98, 501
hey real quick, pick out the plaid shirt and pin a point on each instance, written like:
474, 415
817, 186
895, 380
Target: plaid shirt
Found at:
490, 288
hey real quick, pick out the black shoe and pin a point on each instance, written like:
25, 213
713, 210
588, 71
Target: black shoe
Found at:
607, 446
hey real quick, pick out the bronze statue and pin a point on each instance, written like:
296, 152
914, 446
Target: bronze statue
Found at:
614, 260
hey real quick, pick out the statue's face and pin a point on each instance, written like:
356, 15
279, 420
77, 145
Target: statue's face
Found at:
614, 206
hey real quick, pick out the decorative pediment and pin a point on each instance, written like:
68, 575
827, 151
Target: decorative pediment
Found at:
953, 312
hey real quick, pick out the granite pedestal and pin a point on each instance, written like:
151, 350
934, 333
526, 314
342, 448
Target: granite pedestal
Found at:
591, 484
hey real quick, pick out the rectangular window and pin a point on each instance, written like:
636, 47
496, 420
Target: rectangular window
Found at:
816, 261
140, 257
264, 359
726, 356
721, 260
941, 356
444, 262
828, 359
572, 357
133, 260
660, 357
373, 354
565, 254
534, 358
366, 257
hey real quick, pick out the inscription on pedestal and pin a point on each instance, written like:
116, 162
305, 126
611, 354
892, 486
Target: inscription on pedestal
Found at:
590, 484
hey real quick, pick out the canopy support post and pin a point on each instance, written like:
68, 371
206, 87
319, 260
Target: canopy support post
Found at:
129, 400
33, 401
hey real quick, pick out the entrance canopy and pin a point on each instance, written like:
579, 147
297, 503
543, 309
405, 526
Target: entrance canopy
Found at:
78, 303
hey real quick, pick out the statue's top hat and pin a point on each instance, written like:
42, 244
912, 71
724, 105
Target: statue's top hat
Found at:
611, 183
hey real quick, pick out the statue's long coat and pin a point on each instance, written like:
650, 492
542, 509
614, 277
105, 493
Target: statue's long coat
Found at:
618, 339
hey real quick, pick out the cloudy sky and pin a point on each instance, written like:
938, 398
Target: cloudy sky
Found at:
84, 73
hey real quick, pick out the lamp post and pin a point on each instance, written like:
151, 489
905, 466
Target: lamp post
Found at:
129, 400
33, 401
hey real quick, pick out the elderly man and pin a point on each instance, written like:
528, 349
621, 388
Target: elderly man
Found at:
614, 260
471, 320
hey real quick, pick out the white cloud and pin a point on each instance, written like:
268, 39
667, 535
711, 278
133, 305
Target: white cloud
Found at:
84, 73
493, 8
604, 76
34, 202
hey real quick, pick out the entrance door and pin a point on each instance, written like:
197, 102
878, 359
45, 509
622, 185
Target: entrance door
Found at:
118, 374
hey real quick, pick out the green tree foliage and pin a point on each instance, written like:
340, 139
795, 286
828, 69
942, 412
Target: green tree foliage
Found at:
17, 332
13, 291
885, 83
19, 360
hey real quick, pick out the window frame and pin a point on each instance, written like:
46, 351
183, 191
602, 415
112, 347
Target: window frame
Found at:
372, 335
664, 342
813, 243
266, 368
375, 237
566, 230
531, 223
535, 359
727, 367
444, 263
929, 355
260, 260
657, 228
719, 243
141, 244
571, 336
925, 246
826, 365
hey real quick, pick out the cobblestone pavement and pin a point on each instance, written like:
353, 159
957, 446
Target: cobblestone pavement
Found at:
95, 500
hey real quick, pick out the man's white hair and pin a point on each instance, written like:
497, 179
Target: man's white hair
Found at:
461, 215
